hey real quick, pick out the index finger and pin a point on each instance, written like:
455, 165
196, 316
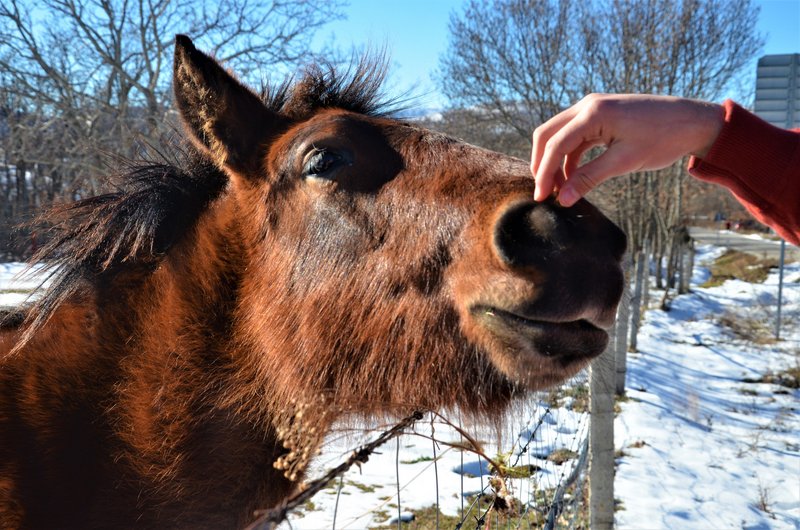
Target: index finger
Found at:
541, 135
545, 131
566, 140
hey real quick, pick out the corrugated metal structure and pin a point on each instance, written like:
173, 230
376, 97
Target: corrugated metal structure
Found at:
778, 90
778, 102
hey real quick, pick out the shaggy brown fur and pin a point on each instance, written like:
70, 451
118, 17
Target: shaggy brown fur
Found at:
309, 257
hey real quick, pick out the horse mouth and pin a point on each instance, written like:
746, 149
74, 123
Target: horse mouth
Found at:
539, 352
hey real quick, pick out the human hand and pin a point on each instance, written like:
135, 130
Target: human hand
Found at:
640, 132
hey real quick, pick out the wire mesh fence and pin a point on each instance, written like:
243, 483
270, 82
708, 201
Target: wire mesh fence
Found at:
440, 471
526, 470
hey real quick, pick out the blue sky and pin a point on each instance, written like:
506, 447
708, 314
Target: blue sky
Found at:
415, 33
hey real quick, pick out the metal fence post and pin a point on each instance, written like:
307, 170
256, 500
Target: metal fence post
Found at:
780, 291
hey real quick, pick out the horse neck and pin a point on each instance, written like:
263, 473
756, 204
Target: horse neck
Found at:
179, 350
185, 371
183, 309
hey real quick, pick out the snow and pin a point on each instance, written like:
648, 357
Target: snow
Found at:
703, 448
701, 445
369, 495
17, 283
8, 177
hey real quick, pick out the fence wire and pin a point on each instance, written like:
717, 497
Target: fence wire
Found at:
442, 472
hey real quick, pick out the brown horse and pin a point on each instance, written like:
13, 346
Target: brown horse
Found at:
307, 257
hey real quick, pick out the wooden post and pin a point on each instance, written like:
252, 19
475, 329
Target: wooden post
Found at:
681, 266
686, 268
620, 336
644, 303
601, 442
636, 300
687, 262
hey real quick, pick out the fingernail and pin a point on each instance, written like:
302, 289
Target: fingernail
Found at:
568, 197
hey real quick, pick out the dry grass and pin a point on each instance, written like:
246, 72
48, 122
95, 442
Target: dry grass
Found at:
427, 518
789, 378
752, 328
579, 394
738, 265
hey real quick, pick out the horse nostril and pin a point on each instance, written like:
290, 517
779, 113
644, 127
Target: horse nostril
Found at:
528, 234
597, 230
524, 231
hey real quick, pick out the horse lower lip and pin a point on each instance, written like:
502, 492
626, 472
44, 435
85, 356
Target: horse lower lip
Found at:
573, 339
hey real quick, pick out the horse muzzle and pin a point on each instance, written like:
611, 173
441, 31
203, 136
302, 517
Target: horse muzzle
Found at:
550, 295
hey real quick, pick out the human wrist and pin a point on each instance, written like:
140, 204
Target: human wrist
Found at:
710, 117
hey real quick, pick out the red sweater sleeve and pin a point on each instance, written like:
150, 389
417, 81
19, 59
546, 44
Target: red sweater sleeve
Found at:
760, 164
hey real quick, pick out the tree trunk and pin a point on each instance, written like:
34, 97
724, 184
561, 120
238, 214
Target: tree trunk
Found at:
22, 190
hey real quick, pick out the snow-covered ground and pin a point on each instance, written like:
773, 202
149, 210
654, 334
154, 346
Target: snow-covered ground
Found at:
368, 496
700, 444
702, 447
16, 283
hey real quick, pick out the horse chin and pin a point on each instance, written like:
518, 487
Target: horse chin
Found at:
537, 353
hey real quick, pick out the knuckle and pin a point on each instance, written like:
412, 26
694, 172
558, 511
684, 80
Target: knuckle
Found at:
583, 183
593, 99
599, 104
544, 132
552, 149
556, 143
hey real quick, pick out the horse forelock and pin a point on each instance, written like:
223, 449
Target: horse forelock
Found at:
355, 88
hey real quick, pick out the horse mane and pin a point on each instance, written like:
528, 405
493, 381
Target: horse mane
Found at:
156, 201
153, 203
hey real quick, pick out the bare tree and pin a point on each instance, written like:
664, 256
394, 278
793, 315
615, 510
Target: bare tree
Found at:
479, 126
510, 62
691, 48
80, 79
515, 63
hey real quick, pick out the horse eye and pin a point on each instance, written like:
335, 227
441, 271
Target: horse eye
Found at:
320, 162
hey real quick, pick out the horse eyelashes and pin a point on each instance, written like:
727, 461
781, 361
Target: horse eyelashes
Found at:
321, 162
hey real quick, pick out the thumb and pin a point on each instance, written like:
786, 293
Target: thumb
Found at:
580, 181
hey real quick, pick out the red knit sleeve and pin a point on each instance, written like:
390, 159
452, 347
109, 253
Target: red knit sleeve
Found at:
760, 164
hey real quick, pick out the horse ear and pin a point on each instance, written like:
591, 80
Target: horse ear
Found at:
224, 118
